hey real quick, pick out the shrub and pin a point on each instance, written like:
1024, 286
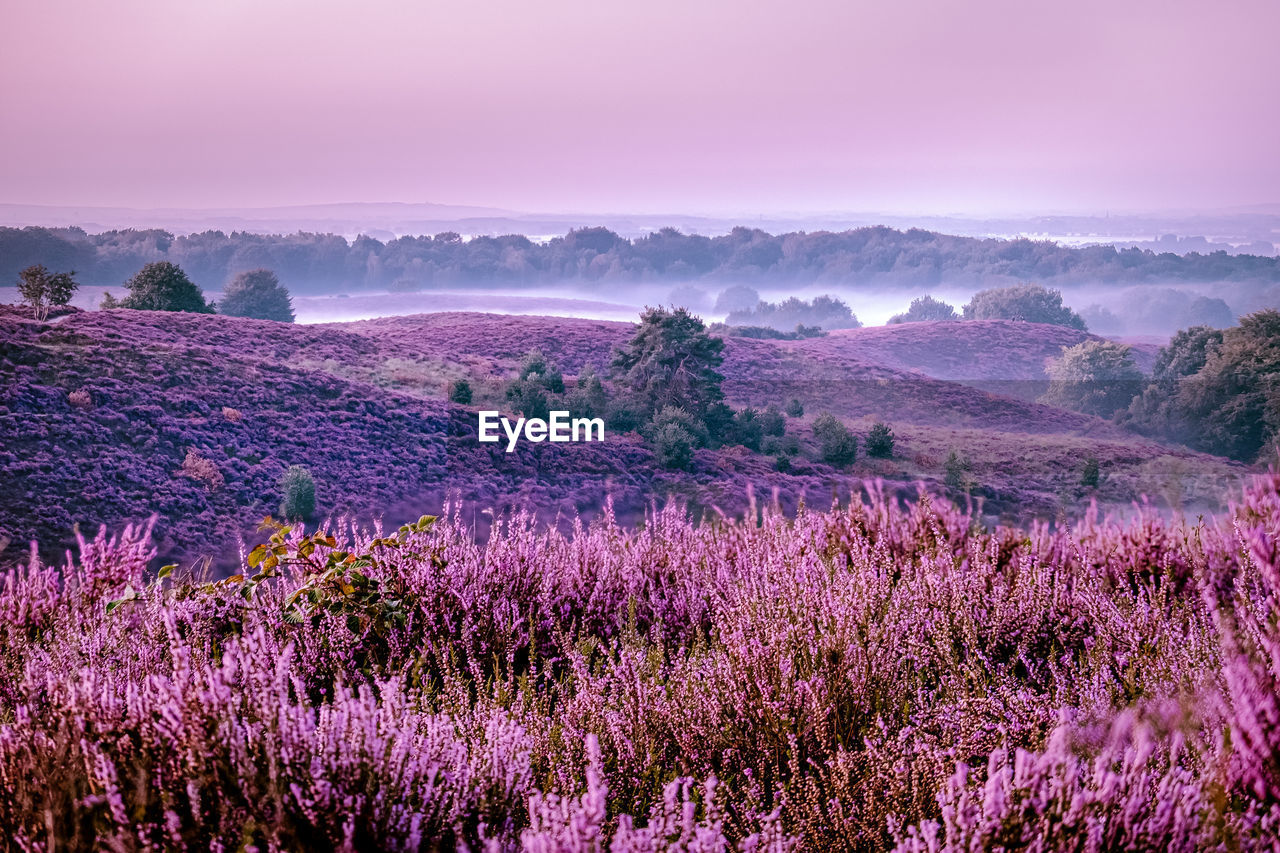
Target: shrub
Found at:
529, 397
257, 294
536, 368
43, 290
958, 470
837, 445
588, 398
163, 286
1030, 303
1091, 475
795, 409
772, 421
782, 463
297, 494
200, 469
1093, 377
460, 392
880, 441
672, 445
747, 429
80, 398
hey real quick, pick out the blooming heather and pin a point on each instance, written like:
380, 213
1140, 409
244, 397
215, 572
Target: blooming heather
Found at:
883, 676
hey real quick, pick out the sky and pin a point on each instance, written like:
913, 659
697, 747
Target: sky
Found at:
968, 107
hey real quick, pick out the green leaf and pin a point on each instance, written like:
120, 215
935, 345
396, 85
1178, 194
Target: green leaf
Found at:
165, 571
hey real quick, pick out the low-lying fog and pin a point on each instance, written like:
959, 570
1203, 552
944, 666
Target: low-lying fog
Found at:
1148, 310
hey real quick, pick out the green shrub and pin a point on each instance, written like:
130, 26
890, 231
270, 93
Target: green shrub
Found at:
880, 441
958, 470
795, 409
837, 445
772, 421
1091, 476
460, 392
672, 445
298, 494
782, 463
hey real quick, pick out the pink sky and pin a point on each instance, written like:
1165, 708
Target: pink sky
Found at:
966, 106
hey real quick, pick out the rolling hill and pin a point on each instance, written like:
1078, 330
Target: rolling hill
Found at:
110, 416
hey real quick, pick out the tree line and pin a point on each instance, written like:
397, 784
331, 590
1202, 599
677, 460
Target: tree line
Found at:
326, 263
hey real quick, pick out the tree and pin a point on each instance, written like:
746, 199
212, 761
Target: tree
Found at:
1159, 410
837, 445
297, 494
460, 392
163, 286
925, 309
1091, 475
958, 470
1030, 303
257, 294
671, 360
43, 290
1233, 401
880, 441
1093, 377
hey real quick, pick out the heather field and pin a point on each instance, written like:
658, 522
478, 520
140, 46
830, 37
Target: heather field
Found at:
110, 417
883, 676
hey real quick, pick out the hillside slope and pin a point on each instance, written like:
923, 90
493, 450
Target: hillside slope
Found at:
110, 416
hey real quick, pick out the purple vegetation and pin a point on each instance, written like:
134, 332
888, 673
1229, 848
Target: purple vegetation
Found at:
884, 676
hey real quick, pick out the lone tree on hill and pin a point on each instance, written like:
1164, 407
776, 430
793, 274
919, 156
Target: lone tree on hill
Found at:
257, 294
671, 360
1094, 377
925, 309
163, 286
1030, 303
43, 290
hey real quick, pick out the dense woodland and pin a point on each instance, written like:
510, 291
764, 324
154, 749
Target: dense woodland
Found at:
317, 263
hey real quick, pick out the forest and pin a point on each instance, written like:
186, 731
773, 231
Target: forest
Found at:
328, 263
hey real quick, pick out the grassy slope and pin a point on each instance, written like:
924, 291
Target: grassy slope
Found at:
361, 405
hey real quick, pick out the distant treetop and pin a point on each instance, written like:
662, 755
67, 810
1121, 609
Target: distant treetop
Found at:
925, 309
257, 294
163, 286
1030, 303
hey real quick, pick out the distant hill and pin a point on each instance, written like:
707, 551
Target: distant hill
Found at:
100, 411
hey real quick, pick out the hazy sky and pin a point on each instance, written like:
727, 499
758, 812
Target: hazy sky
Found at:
967, 106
